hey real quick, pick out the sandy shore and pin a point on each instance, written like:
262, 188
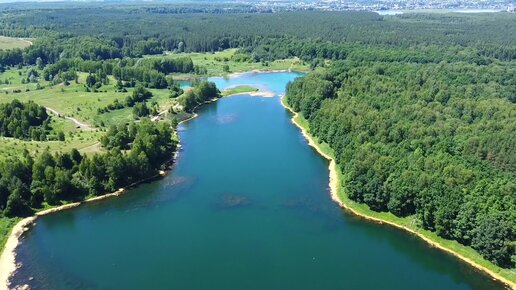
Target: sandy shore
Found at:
7, 260
334, 187
8, 264
237, 74
194, 114
263, 94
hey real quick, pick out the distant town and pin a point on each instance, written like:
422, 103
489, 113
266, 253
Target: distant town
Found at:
385, 5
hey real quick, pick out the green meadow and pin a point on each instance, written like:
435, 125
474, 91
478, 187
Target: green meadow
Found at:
234, 62
12, 42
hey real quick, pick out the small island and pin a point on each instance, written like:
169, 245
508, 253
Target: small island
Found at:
241, 89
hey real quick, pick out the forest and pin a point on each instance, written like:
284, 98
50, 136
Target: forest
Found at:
51, 178
265, 36
203, 92
419, 108
131, 152
23, 121
434, 141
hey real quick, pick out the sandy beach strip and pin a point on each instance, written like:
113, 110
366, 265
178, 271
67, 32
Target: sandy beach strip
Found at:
8, 259
259, 93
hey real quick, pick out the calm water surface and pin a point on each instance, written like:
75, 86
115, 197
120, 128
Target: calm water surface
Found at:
246, 206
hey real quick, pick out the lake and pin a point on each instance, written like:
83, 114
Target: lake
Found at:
246, 206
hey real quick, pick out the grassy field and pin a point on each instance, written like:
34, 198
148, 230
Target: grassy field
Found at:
126, 114
6, 224
83, 141
11, 80
11, 42
408, 222
214, 63
71, 100
74, 101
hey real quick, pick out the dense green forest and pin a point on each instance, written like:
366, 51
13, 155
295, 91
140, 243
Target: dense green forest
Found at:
133, 151
23, 121
203, 92
266, 36
436, 141
28, 182
419, 108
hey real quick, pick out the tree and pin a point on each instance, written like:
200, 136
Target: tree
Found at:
141, 110
139, 94
23, 120
491, 239
60, 136
181, 47
91, 80
39, 63
16, 206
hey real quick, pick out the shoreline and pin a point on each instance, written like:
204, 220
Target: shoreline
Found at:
237, 74
334, 192
8, 263
262, 94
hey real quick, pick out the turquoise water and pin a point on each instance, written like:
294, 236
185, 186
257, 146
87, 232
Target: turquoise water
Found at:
246, 206
274, 82
265, 81
185, 84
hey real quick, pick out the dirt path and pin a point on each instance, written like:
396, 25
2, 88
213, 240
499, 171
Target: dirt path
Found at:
95, 147
79, 124
157, 117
